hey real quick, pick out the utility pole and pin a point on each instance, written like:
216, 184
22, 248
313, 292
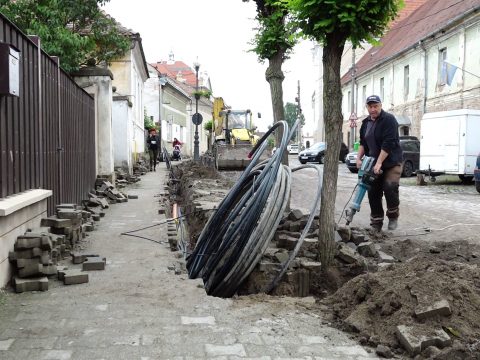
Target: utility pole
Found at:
353, 116
299, 116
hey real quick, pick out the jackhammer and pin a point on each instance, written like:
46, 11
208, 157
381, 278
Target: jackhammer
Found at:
366, 177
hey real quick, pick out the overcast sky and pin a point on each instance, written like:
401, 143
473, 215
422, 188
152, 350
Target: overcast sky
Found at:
217, 33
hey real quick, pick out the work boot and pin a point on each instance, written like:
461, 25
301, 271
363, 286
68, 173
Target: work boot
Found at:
392, 224
376, 227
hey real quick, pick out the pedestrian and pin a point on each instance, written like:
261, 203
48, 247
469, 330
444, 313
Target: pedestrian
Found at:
176, 142
379, 139
153, 143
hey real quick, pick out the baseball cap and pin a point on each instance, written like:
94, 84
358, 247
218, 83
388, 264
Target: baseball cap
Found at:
373, 99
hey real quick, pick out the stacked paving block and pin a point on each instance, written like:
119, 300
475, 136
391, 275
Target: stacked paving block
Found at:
106, 189
70, 222
33, 262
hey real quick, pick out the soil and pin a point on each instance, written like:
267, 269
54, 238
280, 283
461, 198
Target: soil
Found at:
372, 303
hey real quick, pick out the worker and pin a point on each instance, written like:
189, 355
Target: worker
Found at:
379, 139
153, 142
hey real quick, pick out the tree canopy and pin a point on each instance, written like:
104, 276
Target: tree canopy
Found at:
354, 20
76, 31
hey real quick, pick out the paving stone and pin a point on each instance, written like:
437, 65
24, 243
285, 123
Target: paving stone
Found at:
344, 232
199, 320
219, 350
310, 265
131, 196
5, 344
367, 249
415, 340
54, 221
441, 308
61, 272
21, 263
347, 254
34, 284
75, 276
93, 263
49, 270
57, 355
69, 214
96, 217
295, 215
385, 258
30, 270
270, 267
357, 238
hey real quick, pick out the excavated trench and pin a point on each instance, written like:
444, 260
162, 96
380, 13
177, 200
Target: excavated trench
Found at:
376, 287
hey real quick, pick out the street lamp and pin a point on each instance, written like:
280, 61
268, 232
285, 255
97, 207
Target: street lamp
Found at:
196, 118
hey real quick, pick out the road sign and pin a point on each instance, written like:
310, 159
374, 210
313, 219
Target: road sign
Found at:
197, 118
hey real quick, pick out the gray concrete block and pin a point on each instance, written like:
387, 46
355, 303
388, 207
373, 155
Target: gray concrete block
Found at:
66, 206
131, 196
94, 263
441, 308
21, 263
96, 217
24, 254
28, 241
61, 272
415, 339
49, 270
35, 284
30, 270
295, 215
73, 277
367, 249
55, 222
69, 214
357, 238
78, 258
346, 254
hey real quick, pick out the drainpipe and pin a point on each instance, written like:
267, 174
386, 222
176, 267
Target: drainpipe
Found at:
425, 75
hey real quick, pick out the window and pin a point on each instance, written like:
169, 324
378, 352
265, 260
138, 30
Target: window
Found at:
442, 71
349, 101
364, 97
406, 82
382, 89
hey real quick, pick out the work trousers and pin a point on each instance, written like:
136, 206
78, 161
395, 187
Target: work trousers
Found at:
153, 158
386, 184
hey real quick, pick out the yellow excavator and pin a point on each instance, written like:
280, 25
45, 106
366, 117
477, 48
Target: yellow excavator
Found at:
233, 136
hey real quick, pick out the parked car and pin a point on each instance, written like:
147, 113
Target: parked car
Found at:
476, 174
292, 148
316, 153
351, 161
411, 156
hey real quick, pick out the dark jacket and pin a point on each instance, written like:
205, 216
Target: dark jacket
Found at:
386, 138
153, 142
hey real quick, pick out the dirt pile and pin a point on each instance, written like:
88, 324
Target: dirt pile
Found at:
374, 304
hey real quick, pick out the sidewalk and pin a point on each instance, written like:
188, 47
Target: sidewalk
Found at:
139, 309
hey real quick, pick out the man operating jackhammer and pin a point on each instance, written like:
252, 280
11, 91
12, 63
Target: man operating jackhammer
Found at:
379, 139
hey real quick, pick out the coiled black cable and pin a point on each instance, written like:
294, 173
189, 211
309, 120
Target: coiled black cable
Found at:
238, 233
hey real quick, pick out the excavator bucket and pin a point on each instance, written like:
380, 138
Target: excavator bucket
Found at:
232, 157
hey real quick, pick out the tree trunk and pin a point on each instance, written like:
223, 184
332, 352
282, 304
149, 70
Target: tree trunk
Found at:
332, 110
274, 76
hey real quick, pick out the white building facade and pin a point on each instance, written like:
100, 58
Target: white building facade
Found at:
437, 71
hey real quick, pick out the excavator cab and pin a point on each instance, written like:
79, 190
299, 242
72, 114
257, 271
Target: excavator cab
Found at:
234, 136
